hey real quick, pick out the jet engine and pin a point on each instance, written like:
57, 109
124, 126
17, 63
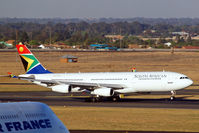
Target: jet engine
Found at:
65, 88
39, 83
61, 88
75, 89
105, 92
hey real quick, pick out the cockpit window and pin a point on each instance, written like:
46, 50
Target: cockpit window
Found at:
184, 78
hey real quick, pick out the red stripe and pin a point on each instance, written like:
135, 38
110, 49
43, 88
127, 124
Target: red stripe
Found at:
22, 49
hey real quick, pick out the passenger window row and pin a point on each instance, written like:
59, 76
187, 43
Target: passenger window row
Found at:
9, 116
35, 115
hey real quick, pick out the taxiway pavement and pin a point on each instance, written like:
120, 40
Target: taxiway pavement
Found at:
80, 99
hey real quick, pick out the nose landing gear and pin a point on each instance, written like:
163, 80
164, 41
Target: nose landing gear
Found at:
173, 94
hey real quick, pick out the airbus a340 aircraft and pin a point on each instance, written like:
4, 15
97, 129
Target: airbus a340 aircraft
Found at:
104, 84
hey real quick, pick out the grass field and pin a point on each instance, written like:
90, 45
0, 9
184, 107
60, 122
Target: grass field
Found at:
114, 118
183, 62
129, 119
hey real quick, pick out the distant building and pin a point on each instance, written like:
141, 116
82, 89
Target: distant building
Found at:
168, 44
10, 42
132, 46
41, 46
68, 58
182, 33
7, 45
98, 46
195, 37
190, 47
114, 37
149, 31
102, 47
58, 46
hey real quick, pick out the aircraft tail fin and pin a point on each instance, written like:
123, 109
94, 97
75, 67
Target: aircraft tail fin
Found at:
30, 62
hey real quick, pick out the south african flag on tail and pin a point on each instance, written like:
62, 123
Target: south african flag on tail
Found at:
30, 62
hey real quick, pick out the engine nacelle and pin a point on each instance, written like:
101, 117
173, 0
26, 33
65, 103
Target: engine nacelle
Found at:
39, 83
105, 92
61, 88
75, 89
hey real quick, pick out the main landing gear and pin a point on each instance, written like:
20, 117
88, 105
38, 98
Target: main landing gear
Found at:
96, 99
116, 98
173, 94
101, 99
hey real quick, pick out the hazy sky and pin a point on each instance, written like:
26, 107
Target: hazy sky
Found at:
99, 8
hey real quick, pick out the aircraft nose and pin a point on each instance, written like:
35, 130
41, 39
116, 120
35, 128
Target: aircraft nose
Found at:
190, 82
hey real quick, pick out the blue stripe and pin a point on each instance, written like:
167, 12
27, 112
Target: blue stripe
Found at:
38, 70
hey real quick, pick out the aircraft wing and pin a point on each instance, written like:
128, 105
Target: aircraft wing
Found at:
84, 85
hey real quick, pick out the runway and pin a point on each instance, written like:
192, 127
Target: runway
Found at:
113, 131
78, 99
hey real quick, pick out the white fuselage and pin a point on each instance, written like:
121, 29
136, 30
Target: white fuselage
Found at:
129, 81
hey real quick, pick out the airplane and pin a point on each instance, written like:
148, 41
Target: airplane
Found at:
29, 117
101, 84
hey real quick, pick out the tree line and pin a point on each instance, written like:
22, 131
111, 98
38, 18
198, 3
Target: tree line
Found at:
84, 33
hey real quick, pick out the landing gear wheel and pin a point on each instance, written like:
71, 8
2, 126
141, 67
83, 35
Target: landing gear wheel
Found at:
96, 99
116, 99
173, 93
172, 98
93, 99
